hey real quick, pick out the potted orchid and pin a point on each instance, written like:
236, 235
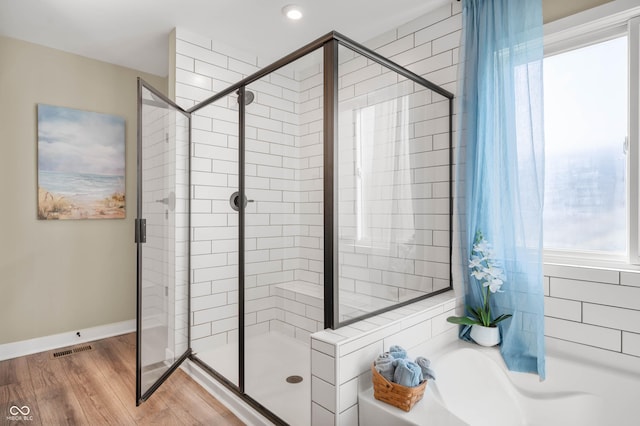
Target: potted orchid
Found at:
486, 270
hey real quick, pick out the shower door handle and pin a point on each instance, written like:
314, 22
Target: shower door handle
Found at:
234, 201
169, 201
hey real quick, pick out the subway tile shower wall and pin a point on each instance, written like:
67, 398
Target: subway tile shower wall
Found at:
284, 177
593, 307
283, 170
394, 229
393, 184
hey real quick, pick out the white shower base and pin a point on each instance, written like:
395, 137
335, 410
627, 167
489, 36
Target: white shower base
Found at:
269, 359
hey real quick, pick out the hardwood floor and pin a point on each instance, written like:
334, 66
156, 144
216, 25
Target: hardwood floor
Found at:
98, 388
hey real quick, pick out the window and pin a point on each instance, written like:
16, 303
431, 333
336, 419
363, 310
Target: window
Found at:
586, 146
383, 185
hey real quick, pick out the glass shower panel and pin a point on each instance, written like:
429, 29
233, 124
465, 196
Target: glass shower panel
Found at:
164, 258
393, 184
214, 260
283, 235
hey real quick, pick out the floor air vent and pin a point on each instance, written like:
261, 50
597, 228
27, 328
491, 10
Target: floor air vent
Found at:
71, 351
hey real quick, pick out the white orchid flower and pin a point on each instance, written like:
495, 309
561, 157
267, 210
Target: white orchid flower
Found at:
490, 274
495, 272
483, 246
475, 262
479, 275
495, 284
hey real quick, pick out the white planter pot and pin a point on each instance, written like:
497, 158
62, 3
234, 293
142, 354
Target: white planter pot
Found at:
485, 336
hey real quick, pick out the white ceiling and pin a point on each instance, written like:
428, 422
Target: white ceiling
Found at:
134, 33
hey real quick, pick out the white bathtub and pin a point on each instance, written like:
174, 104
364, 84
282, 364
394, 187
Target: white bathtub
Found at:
474, 387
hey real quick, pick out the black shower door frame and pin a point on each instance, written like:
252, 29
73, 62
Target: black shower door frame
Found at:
330, 44
140, 239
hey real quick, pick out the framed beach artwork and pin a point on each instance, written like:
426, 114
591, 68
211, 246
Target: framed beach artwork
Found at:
81, 164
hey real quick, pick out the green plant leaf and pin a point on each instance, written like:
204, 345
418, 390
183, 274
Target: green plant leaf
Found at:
463, 320
474, 312
486, 318
501, 318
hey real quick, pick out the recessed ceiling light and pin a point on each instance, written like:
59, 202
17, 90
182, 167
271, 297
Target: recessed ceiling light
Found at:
292, 12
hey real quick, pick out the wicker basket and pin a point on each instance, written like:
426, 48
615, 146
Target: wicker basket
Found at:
392, 393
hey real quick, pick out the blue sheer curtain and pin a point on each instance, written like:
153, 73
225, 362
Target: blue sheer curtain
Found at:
501, 166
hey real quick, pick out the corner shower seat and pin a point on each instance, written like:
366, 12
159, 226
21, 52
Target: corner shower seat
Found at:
352, 305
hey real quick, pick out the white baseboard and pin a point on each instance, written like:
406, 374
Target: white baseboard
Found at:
234, 403
55, 341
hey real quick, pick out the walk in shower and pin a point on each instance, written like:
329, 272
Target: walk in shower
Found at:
312, 194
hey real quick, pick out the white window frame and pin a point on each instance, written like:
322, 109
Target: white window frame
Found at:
592, 26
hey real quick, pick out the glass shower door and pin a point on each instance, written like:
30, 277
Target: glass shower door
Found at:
162, 236
283, 227
215, 306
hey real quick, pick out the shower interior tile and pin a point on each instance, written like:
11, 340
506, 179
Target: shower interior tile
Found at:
630, 278
184, 62
546, 285
608, 294
563, 308
357, 362
194, 79
364, 325
424, 21
217, 72
349, 417
387, 78
397, 46
612, 317
601, 337
329, 336
379, 41
409, 337
349, 393
321, 416
448, 42
282, 328
323, 393
348, 332
323, 366
192, 38
257, 329
631, 343
583, 274
304, 335
439, 323
204, 54
243, 67
324, 347
439, 29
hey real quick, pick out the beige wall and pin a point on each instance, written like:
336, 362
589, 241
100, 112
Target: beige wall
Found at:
553, 10
58, 276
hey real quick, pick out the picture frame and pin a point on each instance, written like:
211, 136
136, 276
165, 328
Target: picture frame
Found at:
81, 164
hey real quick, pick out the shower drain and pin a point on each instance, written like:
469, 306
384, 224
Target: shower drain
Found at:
294, 379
